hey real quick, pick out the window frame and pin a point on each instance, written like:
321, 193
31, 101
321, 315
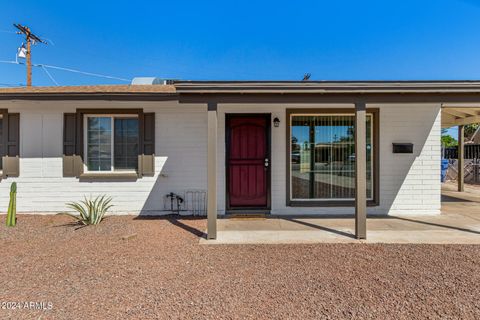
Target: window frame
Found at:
112, 117
374, 200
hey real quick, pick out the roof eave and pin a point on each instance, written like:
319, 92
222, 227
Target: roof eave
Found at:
328, 87
88, 96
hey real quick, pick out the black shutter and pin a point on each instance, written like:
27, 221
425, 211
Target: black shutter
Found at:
146, 158
72, 163
11, 145
69, 134
149, 134
13, 137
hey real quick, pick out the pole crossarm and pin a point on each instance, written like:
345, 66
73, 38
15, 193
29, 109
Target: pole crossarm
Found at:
30, 39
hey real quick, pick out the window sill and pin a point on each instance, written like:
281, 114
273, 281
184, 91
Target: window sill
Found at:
106, 177
338, 203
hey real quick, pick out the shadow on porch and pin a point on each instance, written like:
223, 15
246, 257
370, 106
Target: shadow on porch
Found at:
459, 223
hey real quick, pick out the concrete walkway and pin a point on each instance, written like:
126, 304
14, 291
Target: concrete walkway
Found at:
459, 223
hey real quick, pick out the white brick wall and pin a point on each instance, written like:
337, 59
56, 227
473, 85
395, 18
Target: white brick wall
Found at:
409, 183
180, 158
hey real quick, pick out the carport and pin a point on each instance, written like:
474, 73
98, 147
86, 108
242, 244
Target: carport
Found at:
460, 115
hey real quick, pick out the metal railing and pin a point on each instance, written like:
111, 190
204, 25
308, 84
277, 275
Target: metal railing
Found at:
472, 151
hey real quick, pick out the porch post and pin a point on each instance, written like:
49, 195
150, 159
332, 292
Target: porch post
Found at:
212, 172
360, 171
461, 156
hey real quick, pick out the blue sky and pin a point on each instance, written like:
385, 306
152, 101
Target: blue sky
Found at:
222, 40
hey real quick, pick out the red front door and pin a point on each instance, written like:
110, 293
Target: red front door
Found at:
248, 162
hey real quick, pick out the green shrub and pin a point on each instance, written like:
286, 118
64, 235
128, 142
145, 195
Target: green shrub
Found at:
90, 212
12, 206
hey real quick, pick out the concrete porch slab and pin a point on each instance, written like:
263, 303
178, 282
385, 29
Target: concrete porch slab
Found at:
459, 223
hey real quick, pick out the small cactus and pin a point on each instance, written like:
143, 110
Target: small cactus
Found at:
12, 206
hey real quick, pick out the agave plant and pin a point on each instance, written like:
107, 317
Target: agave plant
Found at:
90, 211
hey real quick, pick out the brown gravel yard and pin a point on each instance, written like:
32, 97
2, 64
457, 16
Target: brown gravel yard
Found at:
156, 268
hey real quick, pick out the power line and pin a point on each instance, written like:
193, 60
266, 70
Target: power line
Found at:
23, 52
49, 75
11, 62
12, 84
70, 70
84, 72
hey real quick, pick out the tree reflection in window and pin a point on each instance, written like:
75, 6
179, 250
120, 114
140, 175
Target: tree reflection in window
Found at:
323, 157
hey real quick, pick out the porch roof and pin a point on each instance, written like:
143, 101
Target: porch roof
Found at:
370, 91
460, 86
460, 114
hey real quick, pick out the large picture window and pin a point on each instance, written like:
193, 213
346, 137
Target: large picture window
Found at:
111, 143
322, 157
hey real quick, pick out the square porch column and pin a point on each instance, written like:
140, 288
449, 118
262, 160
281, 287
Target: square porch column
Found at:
461, 158
360, 171
212, 171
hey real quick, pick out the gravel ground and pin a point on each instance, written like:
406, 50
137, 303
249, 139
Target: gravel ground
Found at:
155, 268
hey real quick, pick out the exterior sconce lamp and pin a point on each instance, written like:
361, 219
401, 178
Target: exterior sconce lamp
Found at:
276, 122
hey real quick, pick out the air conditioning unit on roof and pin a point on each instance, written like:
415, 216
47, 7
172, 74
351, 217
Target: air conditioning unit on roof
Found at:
150, 80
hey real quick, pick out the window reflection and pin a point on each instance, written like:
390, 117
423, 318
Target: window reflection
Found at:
126, 144
124, 137
99, 147
323, 157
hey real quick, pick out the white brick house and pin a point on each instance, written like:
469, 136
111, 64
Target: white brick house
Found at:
281, 148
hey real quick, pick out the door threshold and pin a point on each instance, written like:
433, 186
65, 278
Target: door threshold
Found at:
247, 214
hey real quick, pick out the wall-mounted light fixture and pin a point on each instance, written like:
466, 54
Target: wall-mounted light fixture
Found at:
276, 122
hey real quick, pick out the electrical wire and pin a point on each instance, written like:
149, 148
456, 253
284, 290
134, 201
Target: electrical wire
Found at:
10, 61
83, 72
43, 66
49, 41
49, 75
12, 84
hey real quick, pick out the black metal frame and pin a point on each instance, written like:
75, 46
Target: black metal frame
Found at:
472, 151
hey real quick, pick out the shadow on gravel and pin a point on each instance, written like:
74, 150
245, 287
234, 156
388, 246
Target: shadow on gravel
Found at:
177, 221
74, 224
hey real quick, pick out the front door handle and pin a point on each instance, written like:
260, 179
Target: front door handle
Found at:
266, 162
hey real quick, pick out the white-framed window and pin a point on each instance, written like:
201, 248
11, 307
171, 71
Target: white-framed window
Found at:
111, 143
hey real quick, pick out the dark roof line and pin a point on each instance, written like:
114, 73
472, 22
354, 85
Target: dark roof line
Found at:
175, 82
325, 87
250, 87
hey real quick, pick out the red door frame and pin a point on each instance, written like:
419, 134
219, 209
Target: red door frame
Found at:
268, 118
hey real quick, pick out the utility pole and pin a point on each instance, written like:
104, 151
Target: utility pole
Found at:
30, 39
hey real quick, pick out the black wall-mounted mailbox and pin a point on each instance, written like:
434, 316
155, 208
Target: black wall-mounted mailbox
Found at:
402, 147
